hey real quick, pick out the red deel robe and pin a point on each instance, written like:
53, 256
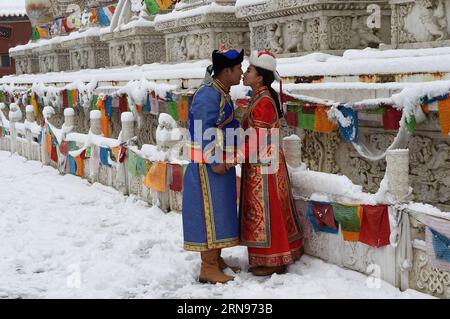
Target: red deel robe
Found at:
269, 223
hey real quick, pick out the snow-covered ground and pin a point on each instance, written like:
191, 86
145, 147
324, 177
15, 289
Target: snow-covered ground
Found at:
64, 238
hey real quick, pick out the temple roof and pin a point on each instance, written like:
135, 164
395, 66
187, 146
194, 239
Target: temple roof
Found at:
13, 8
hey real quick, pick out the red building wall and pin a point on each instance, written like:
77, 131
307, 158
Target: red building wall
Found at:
20, 34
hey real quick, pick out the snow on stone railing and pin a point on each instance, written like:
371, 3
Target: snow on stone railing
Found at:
395, 262
96, 158
19, 137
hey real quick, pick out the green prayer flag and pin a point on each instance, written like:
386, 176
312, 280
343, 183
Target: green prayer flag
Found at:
72, 145
94, 102
88, 151
131, 163
347, 216
140, 163
69, 98
152, 6
411, 123
305, 121
378, 110
172, 108
35, 34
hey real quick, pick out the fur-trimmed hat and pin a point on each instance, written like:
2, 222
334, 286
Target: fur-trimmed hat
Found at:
226, 58
265, 60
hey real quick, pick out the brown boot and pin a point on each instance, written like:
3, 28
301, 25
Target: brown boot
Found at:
209, 270
268, 271
223, 265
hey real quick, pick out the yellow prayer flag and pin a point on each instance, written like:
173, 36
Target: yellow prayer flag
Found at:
164, 4
156, 177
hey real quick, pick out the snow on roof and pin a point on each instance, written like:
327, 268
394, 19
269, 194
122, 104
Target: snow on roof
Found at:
246, 3
11, 8
210, 8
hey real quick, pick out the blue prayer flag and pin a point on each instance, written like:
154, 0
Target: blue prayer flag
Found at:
349, 133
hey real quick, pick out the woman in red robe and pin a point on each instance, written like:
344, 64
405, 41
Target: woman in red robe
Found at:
269, 223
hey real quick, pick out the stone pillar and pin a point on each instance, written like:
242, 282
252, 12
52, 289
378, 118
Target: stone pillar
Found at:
127, 133
397, 172
96, 122
292, 147
15, 115
69, 117
29, 115
127, 119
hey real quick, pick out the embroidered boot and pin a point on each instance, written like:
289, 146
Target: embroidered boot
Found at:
223, 265
268, 271
210, 271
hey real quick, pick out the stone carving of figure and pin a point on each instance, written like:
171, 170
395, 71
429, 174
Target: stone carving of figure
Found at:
22, 66
362, 35
130, 54
433, 18
181, 49
77, 60
80, 60
193, 45
293, 36
275, 38
48, 63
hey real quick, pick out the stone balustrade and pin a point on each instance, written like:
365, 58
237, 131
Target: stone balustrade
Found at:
22, 138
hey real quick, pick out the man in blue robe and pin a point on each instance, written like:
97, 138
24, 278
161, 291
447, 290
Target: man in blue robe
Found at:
210, 218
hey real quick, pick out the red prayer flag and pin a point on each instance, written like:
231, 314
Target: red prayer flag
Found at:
391, 118
324, 215
54, 154
176, 183
65, 99
123, 103
375, 229
64, 148
122, 154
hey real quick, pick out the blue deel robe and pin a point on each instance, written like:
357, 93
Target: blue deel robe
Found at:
210, 217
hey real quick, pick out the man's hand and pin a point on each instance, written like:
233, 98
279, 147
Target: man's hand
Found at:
219, 168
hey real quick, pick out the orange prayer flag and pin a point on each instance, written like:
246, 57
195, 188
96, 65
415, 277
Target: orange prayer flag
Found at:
321, 122
75, 98
156, 177
104, 118
48, 141
353, 236
80, 166
183, 108
444, 116
115, 151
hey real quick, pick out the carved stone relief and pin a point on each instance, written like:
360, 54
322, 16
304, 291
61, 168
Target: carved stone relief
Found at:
429, 165
420, 21
426, 279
